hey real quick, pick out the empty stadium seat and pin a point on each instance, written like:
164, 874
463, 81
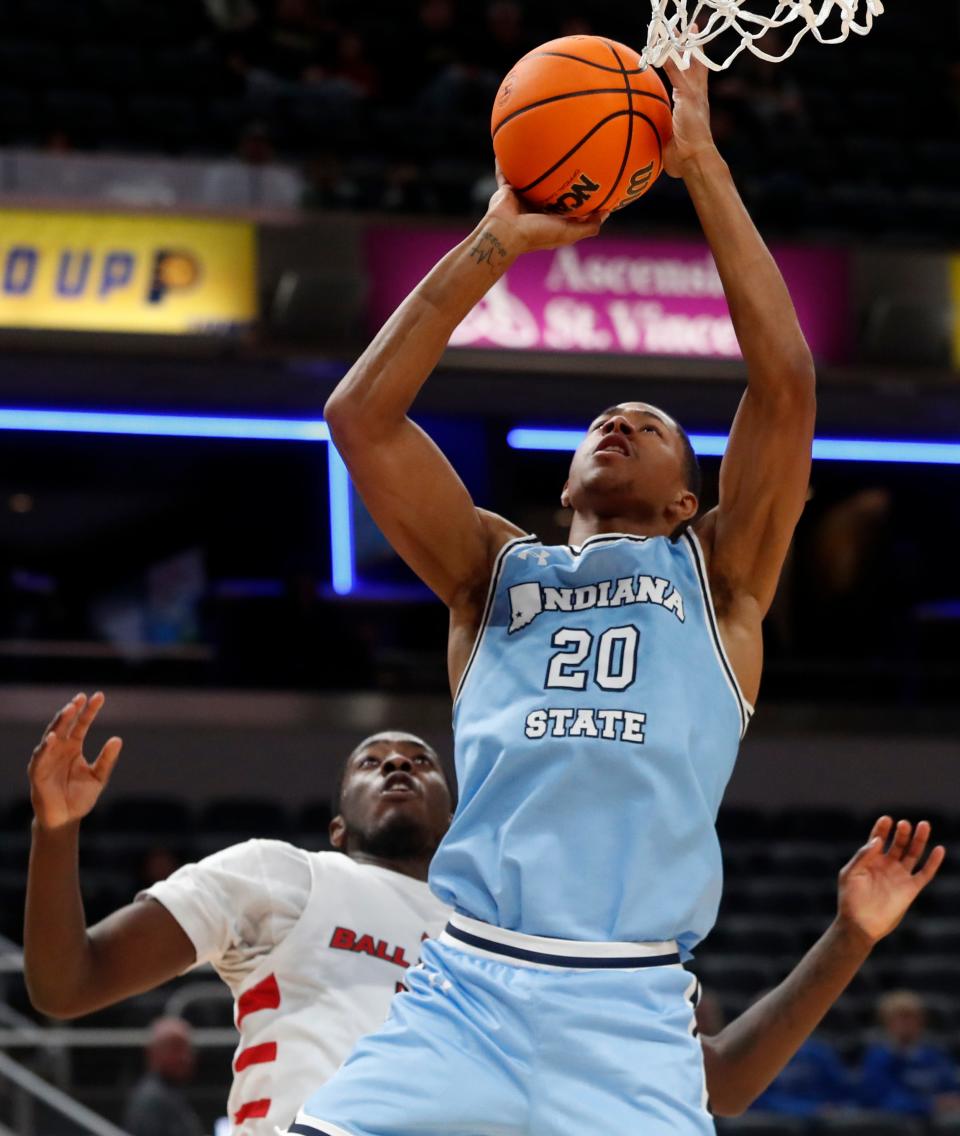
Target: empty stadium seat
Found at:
820, 824
869, 1124
117, 67
166, 815
762, 1124
166, 121
246, 818
36, 64
88, 118
18, 115
735, 823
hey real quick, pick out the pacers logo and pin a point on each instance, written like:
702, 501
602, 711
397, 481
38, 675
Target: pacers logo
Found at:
174, 270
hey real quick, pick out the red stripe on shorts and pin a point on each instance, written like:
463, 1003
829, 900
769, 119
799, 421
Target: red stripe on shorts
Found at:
255, 1055
251, 1110
264, 996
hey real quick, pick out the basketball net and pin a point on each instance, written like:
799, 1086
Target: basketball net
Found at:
672, 34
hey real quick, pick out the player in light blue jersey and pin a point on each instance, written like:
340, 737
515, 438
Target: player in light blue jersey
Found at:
601, 692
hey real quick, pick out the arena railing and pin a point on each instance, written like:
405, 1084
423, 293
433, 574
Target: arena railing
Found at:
30, 1096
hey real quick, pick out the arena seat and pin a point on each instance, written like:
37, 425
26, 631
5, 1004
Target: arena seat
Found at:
172, 121
189, 69
35, 64
760, 934
762, 1124
938, 936
820, 824
111, 66
244, 818
18, 115
869, 1124
167, 815
89, 118
739, 823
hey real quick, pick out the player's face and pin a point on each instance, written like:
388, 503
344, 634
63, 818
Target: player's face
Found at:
630, 460
394, 791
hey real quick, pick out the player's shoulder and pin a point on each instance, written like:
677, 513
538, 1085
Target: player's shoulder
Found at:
499, 531
257, 856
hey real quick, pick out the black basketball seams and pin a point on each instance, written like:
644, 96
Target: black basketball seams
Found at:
590, 133
629, 142
572, 95
599, 66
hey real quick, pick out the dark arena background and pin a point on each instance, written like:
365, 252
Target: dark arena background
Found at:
206, 209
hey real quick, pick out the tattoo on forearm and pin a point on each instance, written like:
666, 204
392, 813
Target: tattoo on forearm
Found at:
487, 245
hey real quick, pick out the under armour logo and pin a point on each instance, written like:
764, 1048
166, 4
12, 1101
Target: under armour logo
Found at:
541, 554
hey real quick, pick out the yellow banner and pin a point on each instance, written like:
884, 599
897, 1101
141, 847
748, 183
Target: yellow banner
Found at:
154, 275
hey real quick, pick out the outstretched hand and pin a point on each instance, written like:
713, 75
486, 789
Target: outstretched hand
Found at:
691, 116
539, 230
64, 786
877, 887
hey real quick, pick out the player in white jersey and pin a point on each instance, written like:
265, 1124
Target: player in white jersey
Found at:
601, 689
313, 945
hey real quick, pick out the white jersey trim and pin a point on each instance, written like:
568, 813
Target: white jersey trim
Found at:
530, 538
744, 708
692, 995
598, 538
307, 1124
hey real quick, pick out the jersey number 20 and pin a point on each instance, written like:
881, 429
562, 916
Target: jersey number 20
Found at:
614, 665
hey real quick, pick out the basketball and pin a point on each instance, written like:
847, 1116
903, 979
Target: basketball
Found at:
579, 126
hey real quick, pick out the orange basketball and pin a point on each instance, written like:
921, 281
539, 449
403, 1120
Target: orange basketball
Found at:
578, 125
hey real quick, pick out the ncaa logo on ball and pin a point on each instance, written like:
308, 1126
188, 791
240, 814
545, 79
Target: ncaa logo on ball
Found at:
506, 88
574, 195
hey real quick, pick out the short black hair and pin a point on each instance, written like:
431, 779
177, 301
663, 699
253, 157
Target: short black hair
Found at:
345, 764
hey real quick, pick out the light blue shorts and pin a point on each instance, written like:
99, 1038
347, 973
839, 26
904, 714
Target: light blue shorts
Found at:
503, 1034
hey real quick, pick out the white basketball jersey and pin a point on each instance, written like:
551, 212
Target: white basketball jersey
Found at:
329, 982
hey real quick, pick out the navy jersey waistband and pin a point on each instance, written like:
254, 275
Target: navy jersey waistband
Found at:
487, 941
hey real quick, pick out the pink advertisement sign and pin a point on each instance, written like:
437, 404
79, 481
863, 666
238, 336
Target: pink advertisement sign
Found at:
621, 295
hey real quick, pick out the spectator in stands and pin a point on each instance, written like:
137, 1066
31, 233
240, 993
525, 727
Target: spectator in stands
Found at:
506, 38
904, 1072
353, 65
157, 1105
815, 1082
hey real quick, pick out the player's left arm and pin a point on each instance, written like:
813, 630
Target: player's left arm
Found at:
765, 471
876, 889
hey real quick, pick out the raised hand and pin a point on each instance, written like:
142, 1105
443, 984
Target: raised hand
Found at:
877, 887
539, 230
691, 116
64, 786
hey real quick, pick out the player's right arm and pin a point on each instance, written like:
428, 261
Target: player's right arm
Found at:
876, 889
71, 969
411, 490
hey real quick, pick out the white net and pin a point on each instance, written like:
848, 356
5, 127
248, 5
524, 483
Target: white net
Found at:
685, 29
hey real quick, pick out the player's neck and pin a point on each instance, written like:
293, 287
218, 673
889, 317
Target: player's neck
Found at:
413, 866
586, 525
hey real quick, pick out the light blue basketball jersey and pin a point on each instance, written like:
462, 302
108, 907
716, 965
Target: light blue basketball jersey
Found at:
596, 727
